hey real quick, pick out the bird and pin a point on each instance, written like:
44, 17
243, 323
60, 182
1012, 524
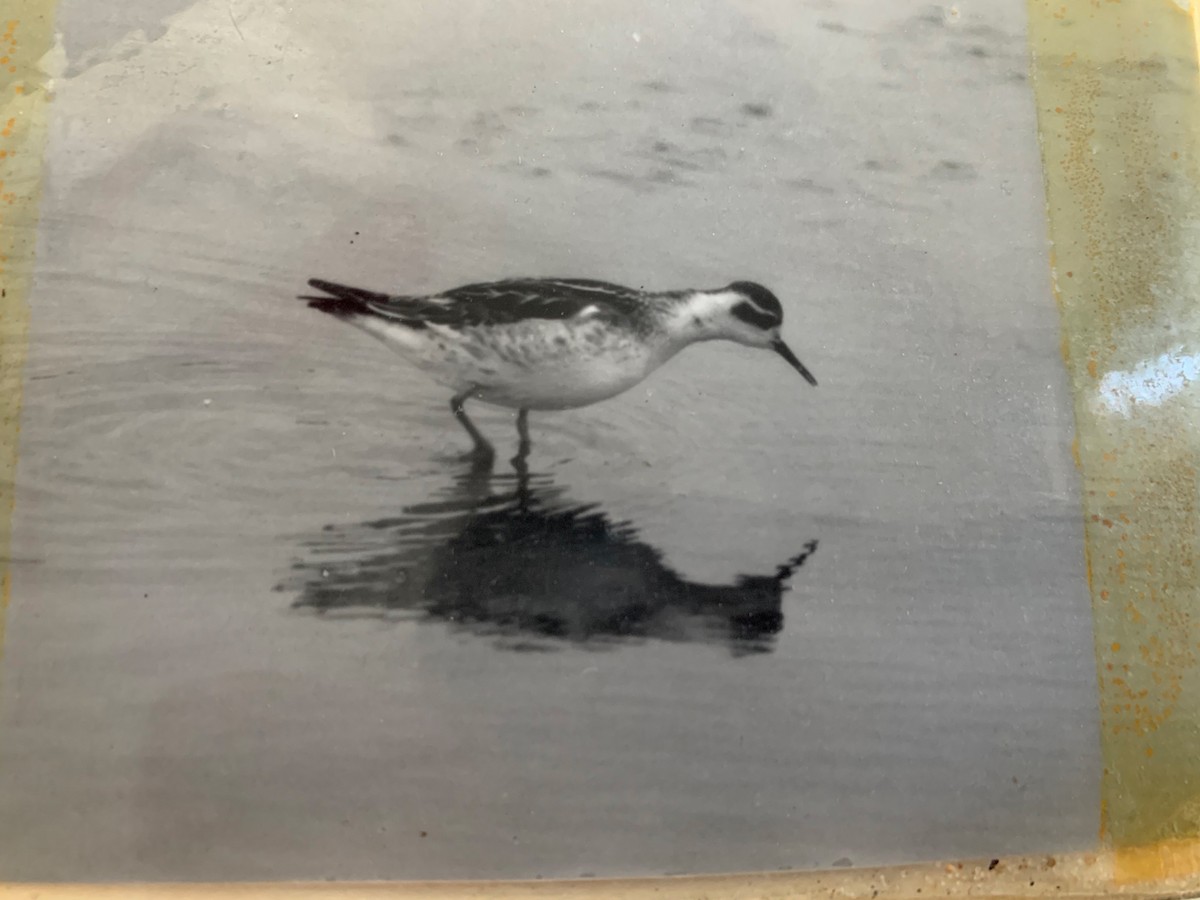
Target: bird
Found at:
552, 343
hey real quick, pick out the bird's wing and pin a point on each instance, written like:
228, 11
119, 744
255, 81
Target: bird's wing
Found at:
492, 303
506, 302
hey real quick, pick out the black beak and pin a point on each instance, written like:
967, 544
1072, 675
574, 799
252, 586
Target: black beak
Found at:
783, 350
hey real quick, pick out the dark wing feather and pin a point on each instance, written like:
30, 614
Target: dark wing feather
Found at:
505, 302
491, 303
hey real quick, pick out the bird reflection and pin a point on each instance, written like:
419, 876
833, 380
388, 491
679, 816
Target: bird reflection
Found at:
509, 556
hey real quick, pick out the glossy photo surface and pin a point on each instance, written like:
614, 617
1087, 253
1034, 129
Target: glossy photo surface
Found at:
273, 618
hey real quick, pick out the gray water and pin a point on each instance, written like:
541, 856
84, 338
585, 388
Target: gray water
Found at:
266, 623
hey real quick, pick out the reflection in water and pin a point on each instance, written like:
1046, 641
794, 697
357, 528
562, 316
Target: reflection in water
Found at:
509, 556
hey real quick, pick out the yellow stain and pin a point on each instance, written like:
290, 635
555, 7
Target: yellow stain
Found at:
1156, 862
1117, 86
23, 113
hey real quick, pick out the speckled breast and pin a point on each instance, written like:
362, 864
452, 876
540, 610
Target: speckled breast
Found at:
553, 365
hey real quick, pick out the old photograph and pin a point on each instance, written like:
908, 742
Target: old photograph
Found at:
542, 439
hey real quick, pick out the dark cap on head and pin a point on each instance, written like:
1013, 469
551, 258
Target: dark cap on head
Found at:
761, 308
760, 297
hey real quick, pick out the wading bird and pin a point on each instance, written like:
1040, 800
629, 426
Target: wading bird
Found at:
553, 343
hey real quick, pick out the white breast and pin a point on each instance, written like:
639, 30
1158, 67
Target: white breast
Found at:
533, 365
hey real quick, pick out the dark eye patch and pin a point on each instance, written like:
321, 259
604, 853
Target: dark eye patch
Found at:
759, 296
752, 315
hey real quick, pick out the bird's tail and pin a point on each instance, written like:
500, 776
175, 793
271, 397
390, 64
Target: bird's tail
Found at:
341, 300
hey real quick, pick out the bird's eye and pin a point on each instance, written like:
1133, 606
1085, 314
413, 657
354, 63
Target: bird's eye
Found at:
752, 315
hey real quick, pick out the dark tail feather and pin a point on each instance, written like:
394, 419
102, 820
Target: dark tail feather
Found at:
341, 300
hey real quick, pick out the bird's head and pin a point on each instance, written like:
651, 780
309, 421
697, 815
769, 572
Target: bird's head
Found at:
749, 314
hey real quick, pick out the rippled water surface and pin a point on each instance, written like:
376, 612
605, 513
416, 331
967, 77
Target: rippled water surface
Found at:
268, 623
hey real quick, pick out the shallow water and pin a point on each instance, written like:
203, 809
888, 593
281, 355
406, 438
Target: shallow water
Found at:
266, 621
510, 557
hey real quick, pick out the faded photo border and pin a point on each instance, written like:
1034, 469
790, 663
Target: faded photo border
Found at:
1121, 152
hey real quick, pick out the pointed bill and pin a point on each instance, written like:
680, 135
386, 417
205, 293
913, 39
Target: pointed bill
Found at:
783, 350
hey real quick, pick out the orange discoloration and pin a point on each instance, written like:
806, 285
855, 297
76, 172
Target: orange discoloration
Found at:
1154, 862
1114, 119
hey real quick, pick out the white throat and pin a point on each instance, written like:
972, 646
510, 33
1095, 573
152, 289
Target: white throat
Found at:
700, 315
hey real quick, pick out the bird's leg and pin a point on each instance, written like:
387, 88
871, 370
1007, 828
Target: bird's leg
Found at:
523, 438
483, 448
521, 460
479, 476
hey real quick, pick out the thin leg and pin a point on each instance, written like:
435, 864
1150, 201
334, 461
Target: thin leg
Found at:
479, 476
521, 460
483, 447
523, 434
